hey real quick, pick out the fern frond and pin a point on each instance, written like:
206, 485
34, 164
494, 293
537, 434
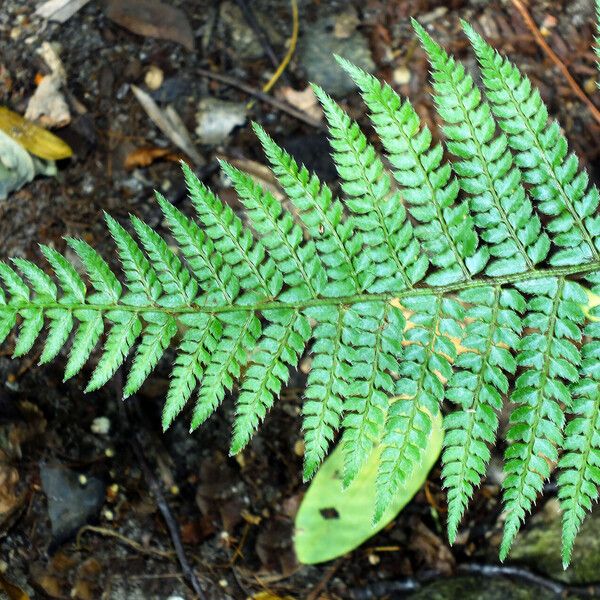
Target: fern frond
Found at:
550, 360
502, 211
468, 272
560, 189
446, 229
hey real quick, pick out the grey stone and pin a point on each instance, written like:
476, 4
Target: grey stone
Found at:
72, 499
315, 54
539, 547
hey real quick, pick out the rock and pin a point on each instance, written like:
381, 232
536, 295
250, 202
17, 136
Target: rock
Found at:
70, 504
316, 50
471, 588
234, 28
217, 118
539, 547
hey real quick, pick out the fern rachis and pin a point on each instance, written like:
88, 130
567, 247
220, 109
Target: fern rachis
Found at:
488, 251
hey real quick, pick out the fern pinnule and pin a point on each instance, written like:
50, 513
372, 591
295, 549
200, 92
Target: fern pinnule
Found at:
477, 385
580, 464
550, 360
282, 236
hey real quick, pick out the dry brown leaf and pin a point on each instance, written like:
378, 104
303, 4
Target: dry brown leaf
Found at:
169, 122
12, 591
152, 18
145, 156
304, 100
9, 477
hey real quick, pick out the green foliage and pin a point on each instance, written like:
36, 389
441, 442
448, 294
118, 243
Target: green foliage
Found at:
437, 279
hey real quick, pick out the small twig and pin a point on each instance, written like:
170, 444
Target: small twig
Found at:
278, 104
161, 502
258, 31
539, 38
167, 515
320, 587
125, 540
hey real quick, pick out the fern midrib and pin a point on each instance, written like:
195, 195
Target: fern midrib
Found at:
490, 181
566, 200
540, 395
437, 291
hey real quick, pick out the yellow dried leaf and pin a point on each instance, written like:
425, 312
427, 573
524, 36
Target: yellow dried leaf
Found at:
35, 139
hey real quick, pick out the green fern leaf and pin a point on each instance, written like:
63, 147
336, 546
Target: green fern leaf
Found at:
560, 189
281, 346
322, 216
446, 228
580, 464
477, 386
302, 270
551, 360
395, 255
500, 205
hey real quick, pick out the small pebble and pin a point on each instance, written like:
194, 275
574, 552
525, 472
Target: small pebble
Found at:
101, 425
154, 77
590, 85
374, 559
82, 480
299, 448
401, 76
108, 514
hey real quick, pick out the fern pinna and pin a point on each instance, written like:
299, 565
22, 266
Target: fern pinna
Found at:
462, 280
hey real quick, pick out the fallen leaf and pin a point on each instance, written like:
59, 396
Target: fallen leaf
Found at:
152, 18
145, 156
13, 591
304, 100
48, 106
35, 139
169, 122
59, 10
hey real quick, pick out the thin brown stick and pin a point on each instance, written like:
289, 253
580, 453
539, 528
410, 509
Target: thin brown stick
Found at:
539, 38
123, 539
279, 104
